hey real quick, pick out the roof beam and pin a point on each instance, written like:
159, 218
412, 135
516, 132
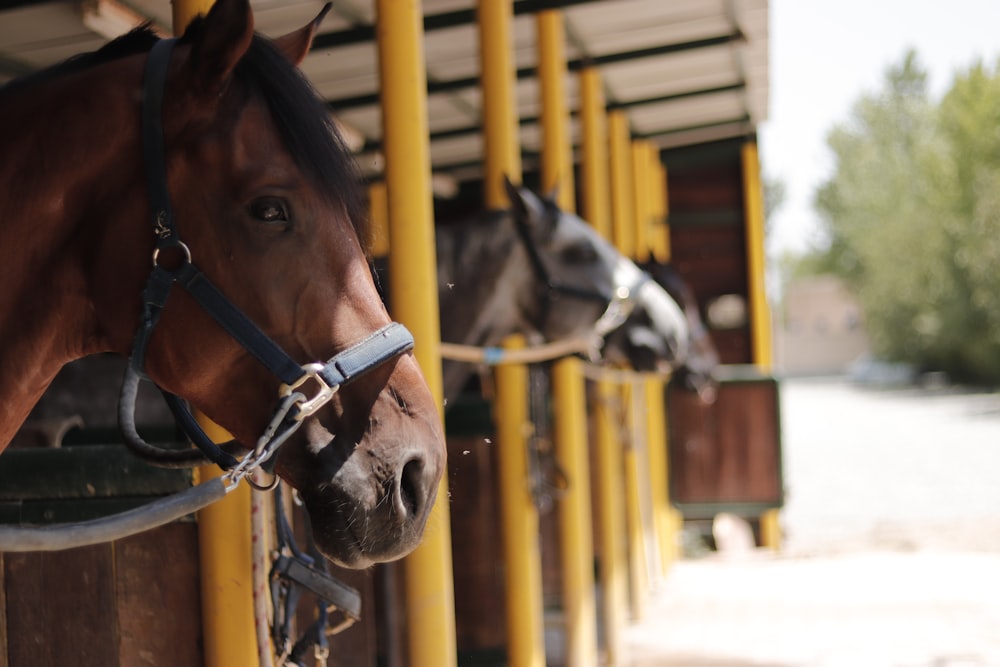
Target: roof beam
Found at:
432, 22
436, 87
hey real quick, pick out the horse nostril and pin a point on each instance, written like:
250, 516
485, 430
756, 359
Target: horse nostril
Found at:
411, 492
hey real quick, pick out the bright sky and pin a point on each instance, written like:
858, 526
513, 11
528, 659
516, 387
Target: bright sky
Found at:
825, 54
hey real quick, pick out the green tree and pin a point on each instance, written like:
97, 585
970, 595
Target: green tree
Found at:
911, 214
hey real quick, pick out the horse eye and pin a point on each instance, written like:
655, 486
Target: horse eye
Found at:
580, 253
271, 210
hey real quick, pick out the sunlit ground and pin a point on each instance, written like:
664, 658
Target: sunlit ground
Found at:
891, 553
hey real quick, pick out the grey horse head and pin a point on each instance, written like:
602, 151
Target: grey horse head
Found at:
538, 270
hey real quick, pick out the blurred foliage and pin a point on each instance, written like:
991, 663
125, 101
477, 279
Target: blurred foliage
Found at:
912, 219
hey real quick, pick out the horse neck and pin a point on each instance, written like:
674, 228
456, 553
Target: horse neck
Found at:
482, 270
51, 179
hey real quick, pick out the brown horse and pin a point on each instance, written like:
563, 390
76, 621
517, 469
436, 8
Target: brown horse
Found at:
266, 200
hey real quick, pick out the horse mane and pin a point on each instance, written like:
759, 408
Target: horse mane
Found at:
300, 115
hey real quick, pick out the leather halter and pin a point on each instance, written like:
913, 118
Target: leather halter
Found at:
378, 348
619, 304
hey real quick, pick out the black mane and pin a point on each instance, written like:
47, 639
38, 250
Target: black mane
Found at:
300, 115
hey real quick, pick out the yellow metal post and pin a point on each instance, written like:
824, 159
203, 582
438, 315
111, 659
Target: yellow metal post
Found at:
501, 148
225, 559
595, 195
569, 401
760, 313
622, 196
557, 151
575, 531
521, 548
611, 521
656, 441
660, 244
430, 597
638, 568
643, 207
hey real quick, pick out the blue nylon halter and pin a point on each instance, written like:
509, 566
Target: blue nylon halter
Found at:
381, 346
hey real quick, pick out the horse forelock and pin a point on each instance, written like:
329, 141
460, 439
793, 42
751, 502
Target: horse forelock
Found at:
306, 128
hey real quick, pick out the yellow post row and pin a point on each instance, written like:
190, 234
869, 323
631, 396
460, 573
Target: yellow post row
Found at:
519, 517
611, 522
595, 196
622, 196
430, 597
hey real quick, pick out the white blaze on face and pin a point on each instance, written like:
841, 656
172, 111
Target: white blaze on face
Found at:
663, 311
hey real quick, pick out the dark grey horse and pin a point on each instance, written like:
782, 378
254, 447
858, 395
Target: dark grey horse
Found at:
544, 272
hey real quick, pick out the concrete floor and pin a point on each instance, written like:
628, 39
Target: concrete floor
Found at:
891, 553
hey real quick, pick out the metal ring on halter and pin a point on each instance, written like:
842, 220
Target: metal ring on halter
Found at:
178, 244
269, 485
322, 397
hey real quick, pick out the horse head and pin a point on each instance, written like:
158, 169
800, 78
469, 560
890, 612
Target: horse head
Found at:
543, 271
637, 340
265, 198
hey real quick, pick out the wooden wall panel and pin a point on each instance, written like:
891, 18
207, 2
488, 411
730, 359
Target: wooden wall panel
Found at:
158, 597
727, 453
61, 608
475, 527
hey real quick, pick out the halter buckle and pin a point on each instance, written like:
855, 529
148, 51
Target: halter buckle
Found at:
322, 397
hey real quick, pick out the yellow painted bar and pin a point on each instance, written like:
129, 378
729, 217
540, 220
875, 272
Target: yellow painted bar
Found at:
575, 531
622, 197
643, 209
595, 194
502, 148
378, 204
760, 315
569, 401
225, 557
611, 521
656, 441
557, 149
226, 575
660, 245
638, 569
430, 596
185, 11
519, 516
521, 549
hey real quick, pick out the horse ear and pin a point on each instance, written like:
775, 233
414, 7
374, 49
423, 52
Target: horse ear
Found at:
295, 45
225, 36
528, 208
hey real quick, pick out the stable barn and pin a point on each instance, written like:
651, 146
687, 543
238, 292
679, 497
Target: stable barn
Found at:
560, 507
